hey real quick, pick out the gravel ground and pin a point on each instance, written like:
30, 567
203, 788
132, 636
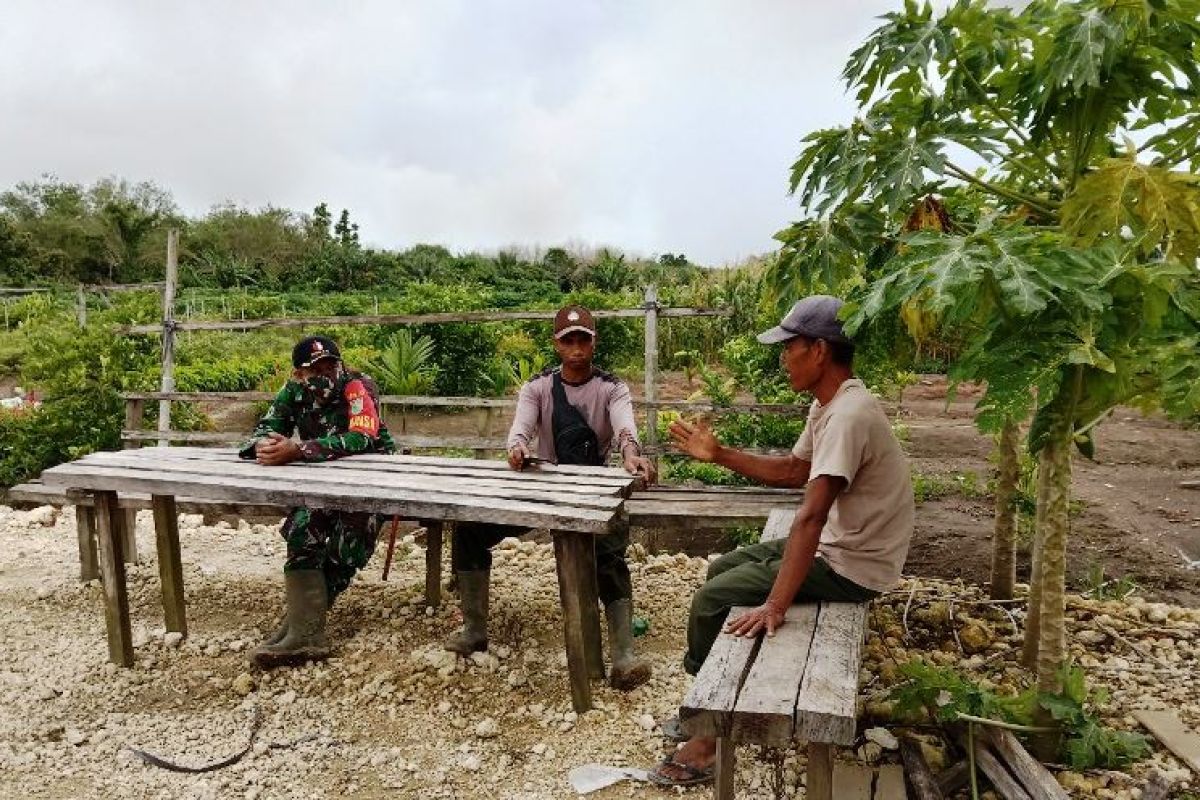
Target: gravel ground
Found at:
393, 715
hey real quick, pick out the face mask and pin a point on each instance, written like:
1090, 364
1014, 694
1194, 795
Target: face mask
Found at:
319, 389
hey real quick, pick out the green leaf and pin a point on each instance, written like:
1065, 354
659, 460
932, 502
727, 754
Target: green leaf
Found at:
1123, 199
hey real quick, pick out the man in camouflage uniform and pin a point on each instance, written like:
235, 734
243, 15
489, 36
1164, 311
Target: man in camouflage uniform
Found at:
336, 412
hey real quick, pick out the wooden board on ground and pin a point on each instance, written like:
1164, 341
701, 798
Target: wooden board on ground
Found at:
924, 785
1036, 779
889, 785
852, 781
1174, 735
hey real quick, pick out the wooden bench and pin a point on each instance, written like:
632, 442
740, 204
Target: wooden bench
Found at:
799, 685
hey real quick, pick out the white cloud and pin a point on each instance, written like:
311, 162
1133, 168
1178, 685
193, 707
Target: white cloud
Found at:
653, 127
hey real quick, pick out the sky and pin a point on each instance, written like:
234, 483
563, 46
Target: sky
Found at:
655, 126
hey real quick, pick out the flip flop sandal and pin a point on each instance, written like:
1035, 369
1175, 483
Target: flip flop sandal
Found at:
672, 730
695, 775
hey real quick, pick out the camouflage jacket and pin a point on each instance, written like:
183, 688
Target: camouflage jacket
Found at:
350, 424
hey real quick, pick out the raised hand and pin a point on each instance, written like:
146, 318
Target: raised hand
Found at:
695, 439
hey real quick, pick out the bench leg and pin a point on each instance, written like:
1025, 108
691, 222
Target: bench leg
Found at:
724, 768
109, 519
433, 563
820, 771
575, 555
170, 566
129, 535
85, 528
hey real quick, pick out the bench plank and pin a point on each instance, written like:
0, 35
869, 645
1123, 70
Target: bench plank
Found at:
779, 524
766, 706
825, 706
706, 709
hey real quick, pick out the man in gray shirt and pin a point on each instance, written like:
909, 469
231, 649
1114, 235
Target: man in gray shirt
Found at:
593, 410
851, 534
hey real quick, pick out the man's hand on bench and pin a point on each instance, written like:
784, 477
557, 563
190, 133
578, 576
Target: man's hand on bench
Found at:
276, 450
764, 618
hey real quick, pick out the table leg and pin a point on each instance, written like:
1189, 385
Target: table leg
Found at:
591, 621
85, 528
170, 567
575, 555
433, 562
820, 771
129, 536
109, 521
724, 769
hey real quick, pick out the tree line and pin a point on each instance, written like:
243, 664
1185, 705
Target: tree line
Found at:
114, 231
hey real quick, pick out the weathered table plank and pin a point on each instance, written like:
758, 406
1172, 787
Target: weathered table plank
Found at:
336, 474
418, 504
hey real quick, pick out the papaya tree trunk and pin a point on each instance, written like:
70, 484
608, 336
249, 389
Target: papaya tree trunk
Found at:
1004, 539
1029, 650
1052, 636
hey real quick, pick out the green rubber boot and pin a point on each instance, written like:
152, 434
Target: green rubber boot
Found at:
628, 671
473, 594
308, 606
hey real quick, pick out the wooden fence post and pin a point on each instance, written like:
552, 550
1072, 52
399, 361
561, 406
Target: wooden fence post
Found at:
134, 411
651, 376
81, 306
168, 334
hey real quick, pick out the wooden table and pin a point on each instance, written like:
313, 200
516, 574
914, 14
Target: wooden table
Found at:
575, 503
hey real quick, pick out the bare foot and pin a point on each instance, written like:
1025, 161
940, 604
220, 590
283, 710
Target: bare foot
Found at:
699, 753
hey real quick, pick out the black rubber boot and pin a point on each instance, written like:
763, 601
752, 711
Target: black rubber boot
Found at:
628, 671
473, 593
308, 606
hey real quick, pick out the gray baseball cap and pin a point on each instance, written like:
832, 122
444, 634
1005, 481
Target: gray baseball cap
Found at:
816, 317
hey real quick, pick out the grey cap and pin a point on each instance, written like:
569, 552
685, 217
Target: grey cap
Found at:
815, 316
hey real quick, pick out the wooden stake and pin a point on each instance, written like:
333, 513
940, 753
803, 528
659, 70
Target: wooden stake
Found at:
168, 334
651, 376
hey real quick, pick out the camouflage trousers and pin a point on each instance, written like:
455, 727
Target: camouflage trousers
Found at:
339, 543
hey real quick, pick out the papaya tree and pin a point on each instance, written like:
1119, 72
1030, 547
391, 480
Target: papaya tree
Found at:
1072, 282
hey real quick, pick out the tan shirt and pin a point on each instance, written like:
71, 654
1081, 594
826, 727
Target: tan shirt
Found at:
603, 400
871, 523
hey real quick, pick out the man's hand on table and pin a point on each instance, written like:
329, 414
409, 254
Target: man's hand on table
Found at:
766, 618
517, 455
276, 450
641, 467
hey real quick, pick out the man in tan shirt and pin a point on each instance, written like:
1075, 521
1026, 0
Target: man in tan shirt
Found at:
851, 534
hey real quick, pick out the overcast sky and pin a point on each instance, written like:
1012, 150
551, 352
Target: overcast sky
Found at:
650, 126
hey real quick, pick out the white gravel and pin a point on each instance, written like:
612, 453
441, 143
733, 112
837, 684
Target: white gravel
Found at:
393, 715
